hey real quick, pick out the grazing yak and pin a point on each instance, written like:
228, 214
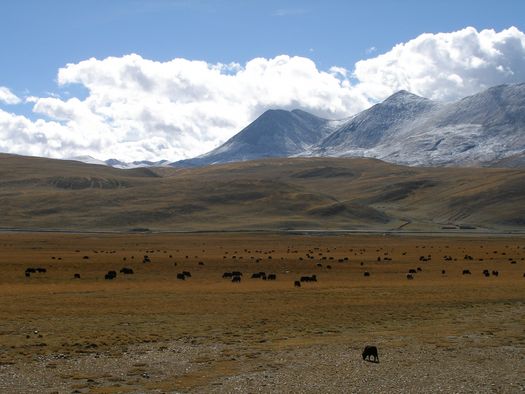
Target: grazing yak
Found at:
272, 276
227, 275
76, 276
110, 275
370, 351
410, 276
35, 270
312, 278
236, 278
126, 270
181, 276
466, 272
298, 284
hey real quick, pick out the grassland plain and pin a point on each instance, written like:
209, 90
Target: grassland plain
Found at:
150, 332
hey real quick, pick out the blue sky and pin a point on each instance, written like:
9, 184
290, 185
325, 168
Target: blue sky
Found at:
99, 78
41, 36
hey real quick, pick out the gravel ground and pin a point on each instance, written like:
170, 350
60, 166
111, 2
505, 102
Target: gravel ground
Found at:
190, 366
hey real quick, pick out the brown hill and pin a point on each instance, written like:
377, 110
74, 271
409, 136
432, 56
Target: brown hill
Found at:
299, 193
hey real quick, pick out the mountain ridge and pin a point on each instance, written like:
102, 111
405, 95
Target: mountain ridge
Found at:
479, 130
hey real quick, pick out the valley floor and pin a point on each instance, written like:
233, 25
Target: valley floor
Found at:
150, 332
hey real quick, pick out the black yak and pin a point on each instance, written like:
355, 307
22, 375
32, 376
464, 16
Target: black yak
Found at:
370, 351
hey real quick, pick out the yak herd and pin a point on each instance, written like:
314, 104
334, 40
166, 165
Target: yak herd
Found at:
236, 275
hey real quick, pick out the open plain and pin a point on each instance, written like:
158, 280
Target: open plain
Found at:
442, 331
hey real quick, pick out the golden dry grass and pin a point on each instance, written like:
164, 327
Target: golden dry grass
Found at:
299, 193
208, 334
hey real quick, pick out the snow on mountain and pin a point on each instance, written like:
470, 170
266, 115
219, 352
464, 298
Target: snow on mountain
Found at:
136, 164
88, 159
376, 125
478, 130
483, 129
276, 133
486, 129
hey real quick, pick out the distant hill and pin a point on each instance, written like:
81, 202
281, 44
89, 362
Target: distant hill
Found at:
481, 130
271, 194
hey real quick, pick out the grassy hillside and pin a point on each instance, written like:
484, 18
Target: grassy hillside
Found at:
300, 193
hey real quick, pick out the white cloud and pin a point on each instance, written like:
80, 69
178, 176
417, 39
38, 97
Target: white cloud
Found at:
139, 109
446, 66
7, 97
181, 108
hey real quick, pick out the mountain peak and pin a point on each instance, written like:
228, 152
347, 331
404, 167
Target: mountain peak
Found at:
403, 97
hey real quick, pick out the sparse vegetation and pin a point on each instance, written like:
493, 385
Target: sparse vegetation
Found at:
207, 334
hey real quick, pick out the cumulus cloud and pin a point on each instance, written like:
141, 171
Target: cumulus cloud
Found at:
7, 97
140, 109
446, 66
181, 108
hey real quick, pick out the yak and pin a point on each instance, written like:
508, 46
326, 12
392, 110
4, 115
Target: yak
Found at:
369, 352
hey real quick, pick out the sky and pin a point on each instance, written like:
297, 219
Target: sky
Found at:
172, 79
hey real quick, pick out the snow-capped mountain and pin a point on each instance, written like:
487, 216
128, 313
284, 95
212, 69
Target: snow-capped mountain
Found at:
478, 130
379, 124
119, 164
276, 133
136, 164
88, 160
484, 129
